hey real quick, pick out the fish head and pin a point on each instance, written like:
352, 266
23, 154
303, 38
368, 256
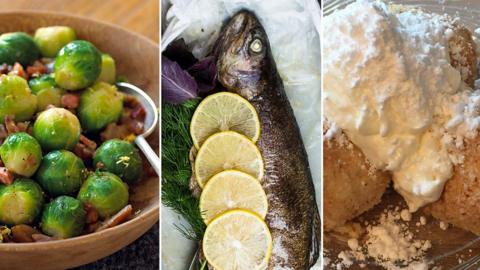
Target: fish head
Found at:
243, 55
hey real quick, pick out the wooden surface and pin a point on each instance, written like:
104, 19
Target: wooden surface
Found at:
141, 16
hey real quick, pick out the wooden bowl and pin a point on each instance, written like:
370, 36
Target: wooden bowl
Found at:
137, 58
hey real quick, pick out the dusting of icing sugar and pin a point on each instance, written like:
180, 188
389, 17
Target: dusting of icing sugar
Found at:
388, 242
389, 85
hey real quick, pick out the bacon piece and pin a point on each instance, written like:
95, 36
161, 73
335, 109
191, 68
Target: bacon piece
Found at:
6, 177
85, 148
12, 127
138, 113
3, 69
92, 214
113, 131
36, 69
70, 101
19, 71
136, 127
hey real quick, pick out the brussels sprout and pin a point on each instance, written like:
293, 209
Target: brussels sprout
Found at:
16, 99
49, 96
105, 192
39, 83
21, 154
20, 202
121, 158
63, 217
108, 70
61, 173
100, 105
56, 128
77, 65
51, 39
18, 47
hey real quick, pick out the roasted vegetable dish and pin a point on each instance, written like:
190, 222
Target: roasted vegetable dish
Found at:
58, 102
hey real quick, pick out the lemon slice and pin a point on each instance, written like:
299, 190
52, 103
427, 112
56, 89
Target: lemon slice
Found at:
232, 190
237, 240
224, 151
221, 112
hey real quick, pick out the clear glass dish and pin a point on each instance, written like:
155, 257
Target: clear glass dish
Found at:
453, 248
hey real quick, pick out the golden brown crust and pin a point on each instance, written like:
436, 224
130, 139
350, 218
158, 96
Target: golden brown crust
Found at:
463, 56
460, 201
351, 185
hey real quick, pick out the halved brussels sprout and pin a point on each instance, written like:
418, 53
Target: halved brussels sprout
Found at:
100, 105
121, 158
56, 128
49, 96
77, 65
16, 99
21, 154
105, 192
20, 202
39, 83
18, 47
52, 38
63, 217
61, 173
108, 70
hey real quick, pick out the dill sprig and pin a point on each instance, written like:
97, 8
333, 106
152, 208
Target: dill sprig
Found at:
176, 169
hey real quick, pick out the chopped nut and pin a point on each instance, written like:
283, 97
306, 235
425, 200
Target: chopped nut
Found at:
23, 233
118, 218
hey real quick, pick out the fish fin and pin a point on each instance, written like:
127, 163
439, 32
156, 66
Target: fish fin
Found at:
316, 237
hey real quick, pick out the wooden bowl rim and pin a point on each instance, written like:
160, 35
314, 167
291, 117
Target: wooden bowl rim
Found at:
69, 15
97, 236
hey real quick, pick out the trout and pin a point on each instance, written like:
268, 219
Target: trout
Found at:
245, 66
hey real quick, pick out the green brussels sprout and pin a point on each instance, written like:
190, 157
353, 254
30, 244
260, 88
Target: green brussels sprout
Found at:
18, 47
105, 192
20, 202
39, 83
121, 158
108, 70
56, 128
99, 106
16, 99
52, 38
63, 217
61, 173
77, 65
21, 154
49, 96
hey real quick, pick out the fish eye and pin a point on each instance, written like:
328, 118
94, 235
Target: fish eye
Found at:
256, 45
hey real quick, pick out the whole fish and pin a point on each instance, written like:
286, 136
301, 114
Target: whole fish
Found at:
245, 66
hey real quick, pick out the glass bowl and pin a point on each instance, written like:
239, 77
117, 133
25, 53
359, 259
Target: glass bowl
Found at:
453, 248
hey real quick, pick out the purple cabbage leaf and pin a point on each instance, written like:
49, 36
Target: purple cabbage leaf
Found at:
205, 73
177, 84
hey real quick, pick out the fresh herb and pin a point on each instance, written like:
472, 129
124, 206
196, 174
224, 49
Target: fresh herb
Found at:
205, 73
176, 168
177, 85
204, 265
